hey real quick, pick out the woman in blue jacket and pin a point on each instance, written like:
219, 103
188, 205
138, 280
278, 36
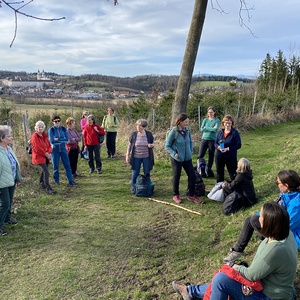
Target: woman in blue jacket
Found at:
227, 142
180, 146
288, 182
58, 136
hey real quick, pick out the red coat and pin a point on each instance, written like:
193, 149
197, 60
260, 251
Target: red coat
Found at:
90, 136
40, 145
234, 274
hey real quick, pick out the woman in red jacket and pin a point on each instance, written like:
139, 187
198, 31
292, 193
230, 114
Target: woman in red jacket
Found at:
91, 133
41, 149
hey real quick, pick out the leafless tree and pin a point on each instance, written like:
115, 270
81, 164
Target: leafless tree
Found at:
18, 7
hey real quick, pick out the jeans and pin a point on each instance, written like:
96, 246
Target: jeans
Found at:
222, 287
250, 224
136, 167
63, 155
210, 145
94, 150
189, 170
6, 199
111, 143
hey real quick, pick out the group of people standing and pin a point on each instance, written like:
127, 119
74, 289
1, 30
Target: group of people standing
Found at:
62, 144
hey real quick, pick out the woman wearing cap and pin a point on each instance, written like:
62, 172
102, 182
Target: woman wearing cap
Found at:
110, 124
91, 134
83, 122
58, 136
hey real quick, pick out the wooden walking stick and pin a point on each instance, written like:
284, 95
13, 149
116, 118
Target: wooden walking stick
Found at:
168, 203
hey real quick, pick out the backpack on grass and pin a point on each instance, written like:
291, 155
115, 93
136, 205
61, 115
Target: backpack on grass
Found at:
143, 186
199, 185
202, 167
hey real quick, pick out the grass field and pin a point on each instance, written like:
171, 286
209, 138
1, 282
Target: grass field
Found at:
98, 241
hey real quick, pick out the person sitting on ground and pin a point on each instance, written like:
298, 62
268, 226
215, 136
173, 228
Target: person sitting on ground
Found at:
274, 265
58, 136
288, 182
239, 192
41, 154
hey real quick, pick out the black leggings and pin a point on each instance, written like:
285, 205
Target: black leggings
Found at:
250, 224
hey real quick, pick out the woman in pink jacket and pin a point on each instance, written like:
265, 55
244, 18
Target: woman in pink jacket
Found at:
91, 134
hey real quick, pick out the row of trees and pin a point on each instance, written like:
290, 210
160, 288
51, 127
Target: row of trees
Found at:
279, 74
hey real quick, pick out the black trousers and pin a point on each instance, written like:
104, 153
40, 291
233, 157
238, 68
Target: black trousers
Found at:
94, 150
73, 157
44, 177
231, 165
111, 142
189, 170
251, 224
210, 145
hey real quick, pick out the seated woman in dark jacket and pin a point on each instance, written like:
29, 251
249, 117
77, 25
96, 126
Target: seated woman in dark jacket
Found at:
239, 192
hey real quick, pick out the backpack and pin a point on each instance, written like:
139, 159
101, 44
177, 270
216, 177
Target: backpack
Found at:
101, 138
115, 119
199, 185
232, 203
143, 186
176, 133
201, 167
28, 147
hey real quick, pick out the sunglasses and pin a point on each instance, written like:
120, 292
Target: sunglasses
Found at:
56, 121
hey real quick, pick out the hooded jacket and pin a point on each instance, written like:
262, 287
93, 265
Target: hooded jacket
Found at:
40, 145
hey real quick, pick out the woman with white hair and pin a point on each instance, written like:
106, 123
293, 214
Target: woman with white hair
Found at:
41, 150
240, 191
10, 176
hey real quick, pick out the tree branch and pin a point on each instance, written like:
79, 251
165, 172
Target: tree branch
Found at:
18, 10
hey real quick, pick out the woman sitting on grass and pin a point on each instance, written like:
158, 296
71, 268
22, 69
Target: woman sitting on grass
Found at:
240, 191
288, 182
274, 264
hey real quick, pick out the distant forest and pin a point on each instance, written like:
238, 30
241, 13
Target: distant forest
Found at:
140, 83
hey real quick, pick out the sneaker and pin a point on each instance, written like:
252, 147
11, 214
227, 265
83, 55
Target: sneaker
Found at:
92, 171
73, 183
195, 199
177, 199
11, 222
232, 256
181, 290
99, 172
3, 231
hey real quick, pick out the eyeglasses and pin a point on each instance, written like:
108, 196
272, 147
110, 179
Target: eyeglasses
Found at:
56, 121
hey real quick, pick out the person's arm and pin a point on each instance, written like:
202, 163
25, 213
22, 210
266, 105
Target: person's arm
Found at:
292, 206
236, 142
169, 142
100, 130
203, 125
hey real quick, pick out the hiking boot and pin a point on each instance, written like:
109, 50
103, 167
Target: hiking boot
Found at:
11, 222
177, 199
210, 173
195, 199
181, 290
73, 183
3, 231
50, 191
232, 256
99, 172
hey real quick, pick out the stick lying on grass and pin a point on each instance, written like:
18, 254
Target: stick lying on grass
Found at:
168, 203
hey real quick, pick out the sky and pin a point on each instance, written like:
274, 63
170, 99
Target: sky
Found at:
146, 37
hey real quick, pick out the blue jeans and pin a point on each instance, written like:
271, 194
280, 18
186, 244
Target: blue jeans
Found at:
63, 155
222, 287
136, 167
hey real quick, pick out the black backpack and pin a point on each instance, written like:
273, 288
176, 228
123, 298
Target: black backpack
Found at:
201, 167
199, 184
232, 203
143, 186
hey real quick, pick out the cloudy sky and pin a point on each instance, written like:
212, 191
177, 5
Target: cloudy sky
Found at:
139, 37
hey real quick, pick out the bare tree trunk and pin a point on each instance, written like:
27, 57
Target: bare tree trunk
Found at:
190, 55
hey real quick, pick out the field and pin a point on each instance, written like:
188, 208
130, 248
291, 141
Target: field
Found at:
98, 241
